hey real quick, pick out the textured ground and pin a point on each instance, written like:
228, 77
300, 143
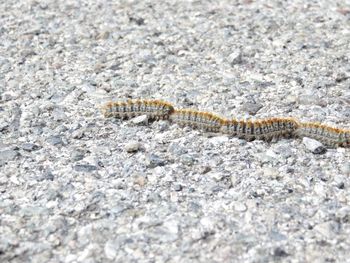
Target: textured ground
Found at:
75, 187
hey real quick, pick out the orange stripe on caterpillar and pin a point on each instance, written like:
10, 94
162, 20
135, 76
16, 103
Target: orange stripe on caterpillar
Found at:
154, 109
197, 119
329, 136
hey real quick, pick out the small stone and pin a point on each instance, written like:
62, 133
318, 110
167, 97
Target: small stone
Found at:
314, 146
55, 140
48, 175
187, 159
85, 168
345, 168
217, 177
178, 187
154, 160
103, 35
204, 169
320, 190
132, 147
140, 120
325, 229
271, 172
218, 140
58, 114
78, 134
251, 108
279, 252
29, 147
177, 149
277, 236
235, 58
240, 207
111, 249
7, 155
77, 155
140, 180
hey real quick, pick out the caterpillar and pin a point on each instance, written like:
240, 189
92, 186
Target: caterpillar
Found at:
261, 129
154, 109
329, 136
197, 119
266, 129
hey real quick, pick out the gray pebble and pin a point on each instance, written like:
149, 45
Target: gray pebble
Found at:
235, 58
58, 114
132, 147
240, 207
326, 229
188, 159
55, 140
177, 187
271, 172
7, 155
314, 146
177, 149
29, 147
154, 160
251, 108
346, 168
77, 155
85, 168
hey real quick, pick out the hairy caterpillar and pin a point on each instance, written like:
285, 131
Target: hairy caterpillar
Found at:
329, 136
261, 129
154, 109
265, 129
197, 119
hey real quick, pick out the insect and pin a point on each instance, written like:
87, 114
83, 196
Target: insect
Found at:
154, 109
265, 129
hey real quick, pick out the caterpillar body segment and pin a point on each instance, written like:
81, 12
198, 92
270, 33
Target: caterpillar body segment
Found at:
261, 129
197, 119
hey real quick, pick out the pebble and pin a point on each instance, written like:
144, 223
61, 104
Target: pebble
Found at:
188, 159
77, 155
240, 207
58, 114
251, 108
177, 149
8, 155
140, 180
177, 187
85, 168
140, 120
154, 160
29, 147
325, 229
314, 146
133, 147
217, 176
55, 140
271, 172
235, 58
111, 249
346, 168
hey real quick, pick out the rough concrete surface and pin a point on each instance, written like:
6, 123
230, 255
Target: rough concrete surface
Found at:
76, 187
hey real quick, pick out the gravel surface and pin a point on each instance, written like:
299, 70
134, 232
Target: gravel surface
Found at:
76, 187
